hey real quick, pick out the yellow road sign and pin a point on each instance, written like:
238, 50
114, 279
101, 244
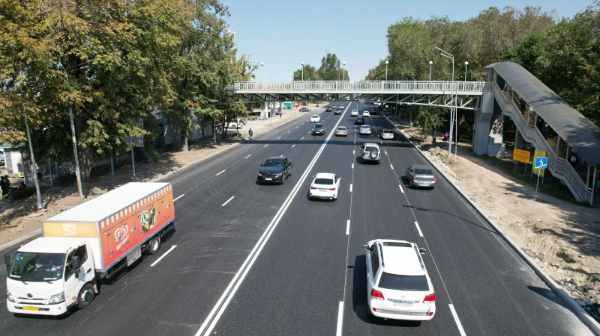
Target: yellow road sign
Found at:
521, 155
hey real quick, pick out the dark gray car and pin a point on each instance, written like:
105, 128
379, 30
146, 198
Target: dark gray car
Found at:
275, 170
319, 129
420, 176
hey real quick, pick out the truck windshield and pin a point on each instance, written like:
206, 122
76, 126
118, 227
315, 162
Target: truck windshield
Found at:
29, 266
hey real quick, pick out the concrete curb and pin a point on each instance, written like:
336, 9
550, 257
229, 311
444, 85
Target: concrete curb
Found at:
37, 232
588, 320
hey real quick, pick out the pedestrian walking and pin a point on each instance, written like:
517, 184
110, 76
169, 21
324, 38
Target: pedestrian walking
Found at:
446, 136
573, 160
251, 133
412, 82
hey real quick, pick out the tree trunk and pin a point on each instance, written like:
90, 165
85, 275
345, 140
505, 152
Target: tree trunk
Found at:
85, 153
184, 136
434, 139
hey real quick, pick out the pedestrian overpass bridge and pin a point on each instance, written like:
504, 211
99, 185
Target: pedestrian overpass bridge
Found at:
433, 93
542, 119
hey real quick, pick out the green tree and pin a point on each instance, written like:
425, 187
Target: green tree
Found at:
310, 73
331, 69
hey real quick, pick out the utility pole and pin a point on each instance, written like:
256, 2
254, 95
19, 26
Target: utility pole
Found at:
34, 167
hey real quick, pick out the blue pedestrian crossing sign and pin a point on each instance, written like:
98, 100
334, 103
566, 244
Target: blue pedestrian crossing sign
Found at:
541, 163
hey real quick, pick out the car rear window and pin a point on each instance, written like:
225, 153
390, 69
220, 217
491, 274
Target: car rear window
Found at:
423, 172
323, 181
370, 148
387, 131
403, 282
342, 128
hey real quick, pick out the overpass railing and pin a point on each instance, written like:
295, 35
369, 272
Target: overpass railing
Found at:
362, 86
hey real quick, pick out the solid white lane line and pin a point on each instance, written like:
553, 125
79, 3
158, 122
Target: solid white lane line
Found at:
419, 229
278, 138
353, 152
391, 166
302, 138
348, 227
457, 320
401, 190
350, 187
164, 255
293, 146
385, 152
265, 145
178, 197
353, 166
340, 319
221, 172
219, 308
248, 156
224, 204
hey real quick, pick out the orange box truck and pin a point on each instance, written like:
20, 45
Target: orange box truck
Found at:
60, 270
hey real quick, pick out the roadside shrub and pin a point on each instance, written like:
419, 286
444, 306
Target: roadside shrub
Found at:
23, 193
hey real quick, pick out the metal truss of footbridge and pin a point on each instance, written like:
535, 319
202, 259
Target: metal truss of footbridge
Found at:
425, 93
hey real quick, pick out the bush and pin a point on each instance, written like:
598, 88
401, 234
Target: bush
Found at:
23, 193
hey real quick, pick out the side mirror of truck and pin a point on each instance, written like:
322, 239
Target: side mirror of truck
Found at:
76, 263
7, 260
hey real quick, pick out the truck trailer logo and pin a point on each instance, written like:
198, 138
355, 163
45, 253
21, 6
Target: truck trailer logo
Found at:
148, 219
122, 235
70, 229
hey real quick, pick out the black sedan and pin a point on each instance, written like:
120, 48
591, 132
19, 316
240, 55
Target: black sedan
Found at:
328, 109
359, 120
318, 129
275, 170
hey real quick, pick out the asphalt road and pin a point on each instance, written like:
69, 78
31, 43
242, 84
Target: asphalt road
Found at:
265, 260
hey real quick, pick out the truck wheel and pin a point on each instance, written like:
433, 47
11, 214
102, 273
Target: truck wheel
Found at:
86, 296
154, 245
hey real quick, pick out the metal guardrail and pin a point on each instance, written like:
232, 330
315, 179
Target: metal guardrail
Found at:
363, 86
559, 166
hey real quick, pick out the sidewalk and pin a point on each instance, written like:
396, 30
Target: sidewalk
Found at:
20, 218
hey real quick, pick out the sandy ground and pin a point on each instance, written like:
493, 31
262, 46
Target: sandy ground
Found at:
560, 237
20, 218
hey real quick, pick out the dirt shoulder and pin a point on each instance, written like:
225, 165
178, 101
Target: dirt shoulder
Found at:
561, 238
21, 218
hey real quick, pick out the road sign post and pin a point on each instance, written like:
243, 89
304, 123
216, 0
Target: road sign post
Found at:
540, 163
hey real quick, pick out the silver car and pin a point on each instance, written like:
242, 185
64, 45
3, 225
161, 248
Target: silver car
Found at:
420, 176
371, 152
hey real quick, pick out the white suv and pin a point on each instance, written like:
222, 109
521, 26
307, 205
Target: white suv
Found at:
370, 152
354, 113
398, 286
325, 185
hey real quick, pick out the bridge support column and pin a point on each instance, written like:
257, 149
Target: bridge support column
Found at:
518, 140
481, 128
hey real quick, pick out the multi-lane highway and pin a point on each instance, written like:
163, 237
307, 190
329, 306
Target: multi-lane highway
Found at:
249, 259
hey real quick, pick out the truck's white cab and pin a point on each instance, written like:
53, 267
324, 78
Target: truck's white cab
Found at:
50, 275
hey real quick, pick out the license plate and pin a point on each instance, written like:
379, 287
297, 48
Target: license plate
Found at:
322, 189
268, 179
403, 304
31, 308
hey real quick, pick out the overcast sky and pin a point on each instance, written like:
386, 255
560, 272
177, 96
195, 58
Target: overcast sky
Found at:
284, 33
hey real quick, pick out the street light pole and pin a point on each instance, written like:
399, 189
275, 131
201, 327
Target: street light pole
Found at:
430, 64
466, 63
343, 72
302, 71
450, 56
386, 66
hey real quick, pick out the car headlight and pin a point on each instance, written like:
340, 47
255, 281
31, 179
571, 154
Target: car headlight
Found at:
278, 175
259, 174
10, 297
57, 298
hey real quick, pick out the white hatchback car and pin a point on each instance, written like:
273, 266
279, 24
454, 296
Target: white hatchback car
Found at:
325, 185
366, 114
398, 286
354, 113
365, 130
315, 118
